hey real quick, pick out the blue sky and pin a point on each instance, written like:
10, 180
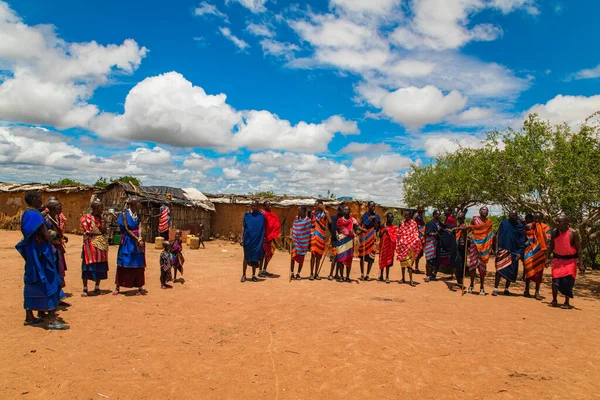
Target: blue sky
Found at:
251, 95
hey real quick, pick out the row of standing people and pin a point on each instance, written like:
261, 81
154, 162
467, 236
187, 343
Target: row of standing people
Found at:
451, 245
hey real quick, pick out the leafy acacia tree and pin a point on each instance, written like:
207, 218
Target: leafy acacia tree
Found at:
458, 180
545, 168
540, 167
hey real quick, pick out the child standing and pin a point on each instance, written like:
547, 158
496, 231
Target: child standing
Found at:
165, 266
177, 256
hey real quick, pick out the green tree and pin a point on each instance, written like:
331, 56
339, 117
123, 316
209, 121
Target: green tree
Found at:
546, 168
102, 182
66, 182
458, 180
268, 193
540, 167
128, 179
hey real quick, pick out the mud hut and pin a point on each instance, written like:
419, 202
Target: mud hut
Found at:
189, 208
75, 201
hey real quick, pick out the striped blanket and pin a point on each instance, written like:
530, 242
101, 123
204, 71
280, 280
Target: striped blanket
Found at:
511, 243
431, 241
318, 234
300, 238
534, 258
480, 245
345, 237
366, 240
164, 219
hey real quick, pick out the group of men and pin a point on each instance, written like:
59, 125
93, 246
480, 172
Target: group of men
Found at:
450, 246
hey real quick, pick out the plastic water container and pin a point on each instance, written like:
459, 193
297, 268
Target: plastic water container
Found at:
188, 239
195, 243
158, 242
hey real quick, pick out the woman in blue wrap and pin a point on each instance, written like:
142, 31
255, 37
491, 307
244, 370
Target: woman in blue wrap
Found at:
131, 257
253, 233
42, 279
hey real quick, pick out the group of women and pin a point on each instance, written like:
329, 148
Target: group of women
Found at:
42, 248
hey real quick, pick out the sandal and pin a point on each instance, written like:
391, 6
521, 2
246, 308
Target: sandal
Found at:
507, 293
527, 295
57, 326
482, 292
311, 278
84, 293
566, 306
243, 279
298, 278
97, 291
115, 293
470, 289
538, 297
330, 278
362, 277
367, 278
380, 279
34, 322
348, 280
317, 278
163, 287
387, 281
254, 278
553, 304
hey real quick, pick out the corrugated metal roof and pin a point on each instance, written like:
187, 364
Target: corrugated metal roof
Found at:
282, 202
166, 194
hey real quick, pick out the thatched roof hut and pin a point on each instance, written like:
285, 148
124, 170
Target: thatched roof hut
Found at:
189, 208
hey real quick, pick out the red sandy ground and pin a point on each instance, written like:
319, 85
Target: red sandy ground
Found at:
216, 338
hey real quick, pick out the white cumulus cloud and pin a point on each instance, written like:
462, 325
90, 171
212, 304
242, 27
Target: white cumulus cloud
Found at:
170, 109
570, 109
49, 80
415, 107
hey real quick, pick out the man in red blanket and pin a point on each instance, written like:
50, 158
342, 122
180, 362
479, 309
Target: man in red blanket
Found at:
272, 231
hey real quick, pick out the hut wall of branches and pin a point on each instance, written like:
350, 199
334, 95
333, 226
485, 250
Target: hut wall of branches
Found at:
75, 201
186, 214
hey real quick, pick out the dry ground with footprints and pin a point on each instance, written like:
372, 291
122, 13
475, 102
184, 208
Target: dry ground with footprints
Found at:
213, 337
